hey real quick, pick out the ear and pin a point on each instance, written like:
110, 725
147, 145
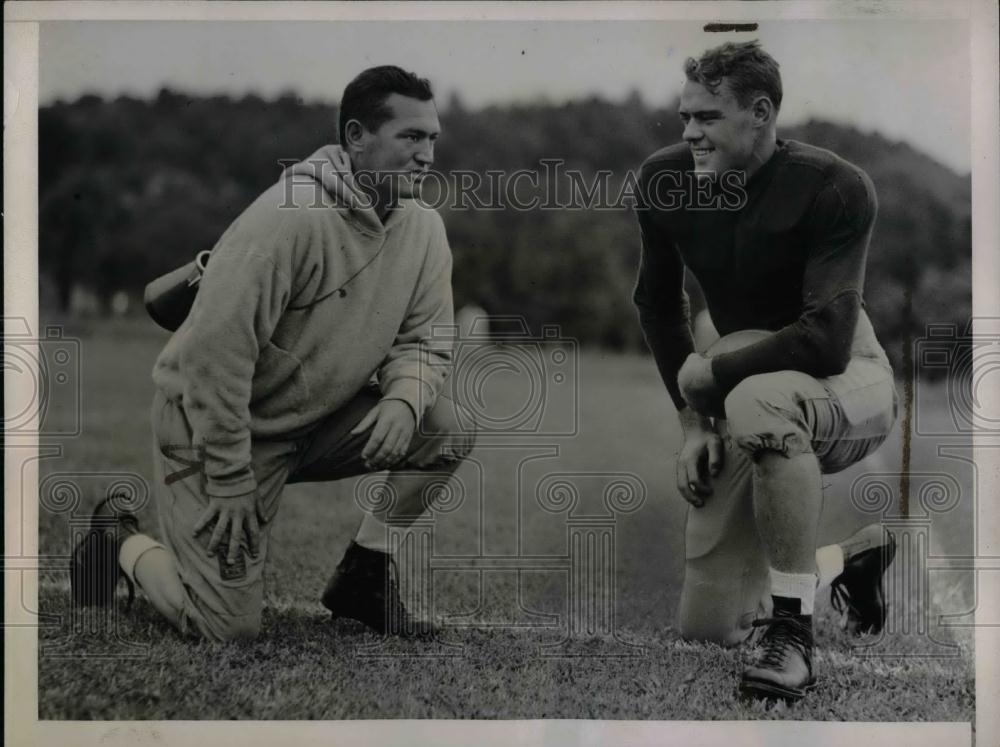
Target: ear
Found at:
355, 135
763, 111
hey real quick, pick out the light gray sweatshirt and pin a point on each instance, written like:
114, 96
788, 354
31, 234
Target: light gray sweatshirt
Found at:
308, 295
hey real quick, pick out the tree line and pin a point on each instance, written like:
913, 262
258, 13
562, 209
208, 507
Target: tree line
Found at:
130, 188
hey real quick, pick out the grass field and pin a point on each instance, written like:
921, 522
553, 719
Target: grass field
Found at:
499, 664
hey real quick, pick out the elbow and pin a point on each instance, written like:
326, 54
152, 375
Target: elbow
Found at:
835, 360
830, 335
830, 356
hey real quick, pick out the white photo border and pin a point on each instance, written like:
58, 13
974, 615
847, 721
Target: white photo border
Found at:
21, 50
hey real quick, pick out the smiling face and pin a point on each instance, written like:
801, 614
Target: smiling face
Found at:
721, 133
403, 146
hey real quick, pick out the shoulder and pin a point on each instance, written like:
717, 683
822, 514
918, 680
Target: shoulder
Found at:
281, 208
675, 157
283, 226
830, 173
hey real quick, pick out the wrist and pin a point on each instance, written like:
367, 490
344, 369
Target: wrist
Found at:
694, 422
403, 405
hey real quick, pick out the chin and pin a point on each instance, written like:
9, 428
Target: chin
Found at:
705, 171
409, 192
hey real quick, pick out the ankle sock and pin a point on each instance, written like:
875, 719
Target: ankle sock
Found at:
800, 586
373, 534
132, 549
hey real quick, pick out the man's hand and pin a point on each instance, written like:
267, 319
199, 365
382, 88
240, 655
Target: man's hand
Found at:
234, 515
698, 387
393, 429
700, 458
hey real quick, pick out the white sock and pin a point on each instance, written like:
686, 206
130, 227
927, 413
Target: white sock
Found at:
373, 534
132, 549
801, 586
829, 565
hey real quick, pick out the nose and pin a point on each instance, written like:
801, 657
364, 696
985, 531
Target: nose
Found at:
692, 131
425, 155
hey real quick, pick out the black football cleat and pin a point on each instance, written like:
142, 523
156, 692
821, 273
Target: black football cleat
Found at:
857, 593
93, 569
784, 669
364, 588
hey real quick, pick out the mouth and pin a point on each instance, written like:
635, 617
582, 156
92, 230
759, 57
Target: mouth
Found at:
702, 152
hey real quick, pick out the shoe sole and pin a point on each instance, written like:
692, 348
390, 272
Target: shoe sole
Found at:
760, 690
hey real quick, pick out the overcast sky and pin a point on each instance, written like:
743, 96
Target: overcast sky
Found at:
908, 80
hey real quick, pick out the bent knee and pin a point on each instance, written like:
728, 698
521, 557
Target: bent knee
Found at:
764, 415
452, 431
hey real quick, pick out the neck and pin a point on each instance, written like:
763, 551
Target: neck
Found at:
385, 204
761, 153
382, 202
379, 196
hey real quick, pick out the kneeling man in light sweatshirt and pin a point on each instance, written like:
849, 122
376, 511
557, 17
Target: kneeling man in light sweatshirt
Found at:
312, 352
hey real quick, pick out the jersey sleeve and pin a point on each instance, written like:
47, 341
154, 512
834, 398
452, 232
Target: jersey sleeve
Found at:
819, 341
663, 305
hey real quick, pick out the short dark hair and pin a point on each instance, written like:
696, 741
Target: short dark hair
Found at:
364, 98
748, 69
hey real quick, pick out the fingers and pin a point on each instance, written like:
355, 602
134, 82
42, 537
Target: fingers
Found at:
389, 440
693, 473
253, 533
402, 446
716, 456
391, 450
220, 529
235, 536
686, 485
206, 517
232, 521
366, 422
375, 442
698, 473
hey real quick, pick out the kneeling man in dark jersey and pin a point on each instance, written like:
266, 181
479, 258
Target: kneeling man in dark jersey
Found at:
776, 233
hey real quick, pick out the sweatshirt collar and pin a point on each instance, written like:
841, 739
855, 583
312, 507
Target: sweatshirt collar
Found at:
331, 167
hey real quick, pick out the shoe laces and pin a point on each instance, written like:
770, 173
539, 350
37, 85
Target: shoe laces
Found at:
782, 634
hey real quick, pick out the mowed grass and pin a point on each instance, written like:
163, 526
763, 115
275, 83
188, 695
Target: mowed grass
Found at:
504, 660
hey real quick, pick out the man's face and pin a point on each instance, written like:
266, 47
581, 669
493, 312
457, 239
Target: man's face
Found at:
403, 145
720, 132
